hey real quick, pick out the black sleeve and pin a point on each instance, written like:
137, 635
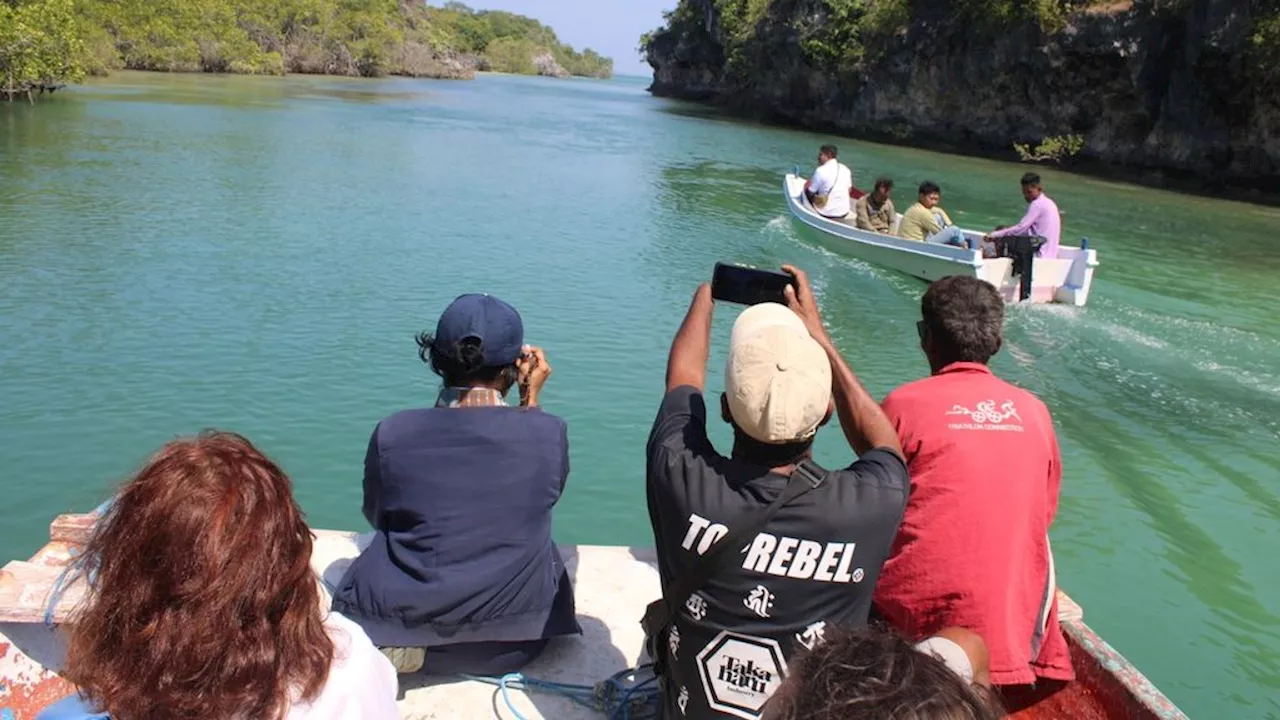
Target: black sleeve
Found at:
372, 482
886, 468
681, 424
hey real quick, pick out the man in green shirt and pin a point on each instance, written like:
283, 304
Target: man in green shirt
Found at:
926, 221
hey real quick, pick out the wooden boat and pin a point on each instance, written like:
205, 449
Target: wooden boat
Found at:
1065, 279
612, 584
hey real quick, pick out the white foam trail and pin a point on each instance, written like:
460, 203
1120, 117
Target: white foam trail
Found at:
1270, 386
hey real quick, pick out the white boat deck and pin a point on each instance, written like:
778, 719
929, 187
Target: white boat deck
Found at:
612, 585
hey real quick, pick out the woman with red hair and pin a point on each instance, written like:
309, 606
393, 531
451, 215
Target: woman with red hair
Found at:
202, 602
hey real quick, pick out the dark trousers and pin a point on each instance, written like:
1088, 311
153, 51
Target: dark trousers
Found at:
1022, 250
483, 658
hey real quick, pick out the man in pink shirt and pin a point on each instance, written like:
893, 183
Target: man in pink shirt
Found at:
1041, 221
973, 547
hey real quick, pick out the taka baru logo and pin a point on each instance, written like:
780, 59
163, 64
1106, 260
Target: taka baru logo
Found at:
740, 672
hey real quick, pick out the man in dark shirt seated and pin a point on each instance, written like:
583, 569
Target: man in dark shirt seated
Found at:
816, 561
462, 573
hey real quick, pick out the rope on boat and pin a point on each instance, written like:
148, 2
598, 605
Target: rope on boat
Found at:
75, 566
625, 695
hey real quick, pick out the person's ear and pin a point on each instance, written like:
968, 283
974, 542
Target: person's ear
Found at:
724, 409
999, 344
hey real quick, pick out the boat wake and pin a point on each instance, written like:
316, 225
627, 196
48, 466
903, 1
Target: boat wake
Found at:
1163, 364
784, 228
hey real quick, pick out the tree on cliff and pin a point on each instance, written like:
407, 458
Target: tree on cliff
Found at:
510, 42
40, 46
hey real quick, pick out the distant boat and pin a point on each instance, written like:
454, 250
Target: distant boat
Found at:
612, 585
1066, 279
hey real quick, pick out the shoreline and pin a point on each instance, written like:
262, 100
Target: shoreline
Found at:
472, 76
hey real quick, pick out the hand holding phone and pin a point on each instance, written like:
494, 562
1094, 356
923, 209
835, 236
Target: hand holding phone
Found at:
746, 285
533, 370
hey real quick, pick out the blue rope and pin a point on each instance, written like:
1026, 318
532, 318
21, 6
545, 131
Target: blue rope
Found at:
54, 595
75, 565
619, 697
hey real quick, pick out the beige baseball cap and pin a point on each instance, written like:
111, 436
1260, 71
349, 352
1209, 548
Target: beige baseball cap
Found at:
778, 378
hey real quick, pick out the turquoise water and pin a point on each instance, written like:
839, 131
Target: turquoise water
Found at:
256, 254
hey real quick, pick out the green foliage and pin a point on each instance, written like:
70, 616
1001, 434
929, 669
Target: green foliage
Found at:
511, 55
1265, 45
1055, 149
839, 36
49, 42
509, 42
837, 41
40, 46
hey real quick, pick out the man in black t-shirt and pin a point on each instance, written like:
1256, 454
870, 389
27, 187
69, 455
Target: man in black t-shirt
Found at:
816, 562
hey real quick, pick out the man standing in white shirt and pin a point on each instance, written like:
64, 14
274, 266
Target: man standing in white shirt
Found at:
828, 189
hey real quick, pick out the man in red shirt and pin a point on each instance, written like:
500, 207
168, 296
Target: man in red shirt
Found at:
973, 548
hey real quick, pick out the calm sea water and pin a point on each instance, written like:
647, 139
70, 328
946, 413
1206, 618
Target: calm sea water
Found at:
256, 254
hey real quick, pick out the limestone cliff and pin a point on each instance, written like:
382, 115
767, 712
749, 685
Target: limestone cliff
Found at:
1178, 89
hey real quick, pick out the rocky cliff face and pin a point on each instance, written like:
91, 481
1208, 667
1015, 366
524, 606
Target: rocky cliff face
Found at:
1177, 94
546, 65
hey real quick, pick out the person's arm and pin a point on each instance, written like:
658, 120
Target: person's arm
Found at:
889, 214
1024, 225
862, 213
564, 444
1055, 467
687, 362
819, 184
865, 425
372, 506
532, 371
975, 659
681, 423
931, 225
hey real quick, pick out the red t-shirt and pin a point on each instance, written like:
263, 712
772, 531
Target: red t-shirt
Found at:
973, 548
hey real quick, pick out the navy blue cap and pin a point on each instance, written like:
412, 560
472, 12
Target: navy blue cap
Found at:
494, 323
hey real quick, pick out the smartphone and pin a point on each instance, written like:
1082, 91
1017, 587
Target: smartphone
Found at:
746, 285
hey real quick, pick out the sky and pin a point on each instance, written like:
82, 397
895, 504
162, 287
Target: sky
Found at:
610, 27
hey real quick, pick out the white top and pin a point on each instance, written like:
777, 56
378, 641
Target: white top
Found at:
362, 682
834, 180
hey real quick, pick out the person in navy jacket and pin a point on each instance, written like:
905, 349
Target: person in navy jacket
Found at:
462, 575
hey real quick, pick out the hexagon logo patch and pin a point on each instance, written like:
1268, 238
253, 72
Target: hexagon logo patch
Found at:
740, 672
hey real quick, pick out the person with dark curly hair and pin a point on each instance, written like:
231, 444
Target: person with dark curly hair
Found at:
202, 603
973, 549
462, 575
871, 674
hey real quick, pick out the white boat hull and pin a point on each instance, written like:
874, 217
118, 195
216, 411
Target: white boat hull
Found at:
1066, 279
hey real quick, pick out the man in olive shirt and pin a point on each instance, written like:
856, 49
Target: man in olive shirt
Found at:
875, 212
815, 562
926, 221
